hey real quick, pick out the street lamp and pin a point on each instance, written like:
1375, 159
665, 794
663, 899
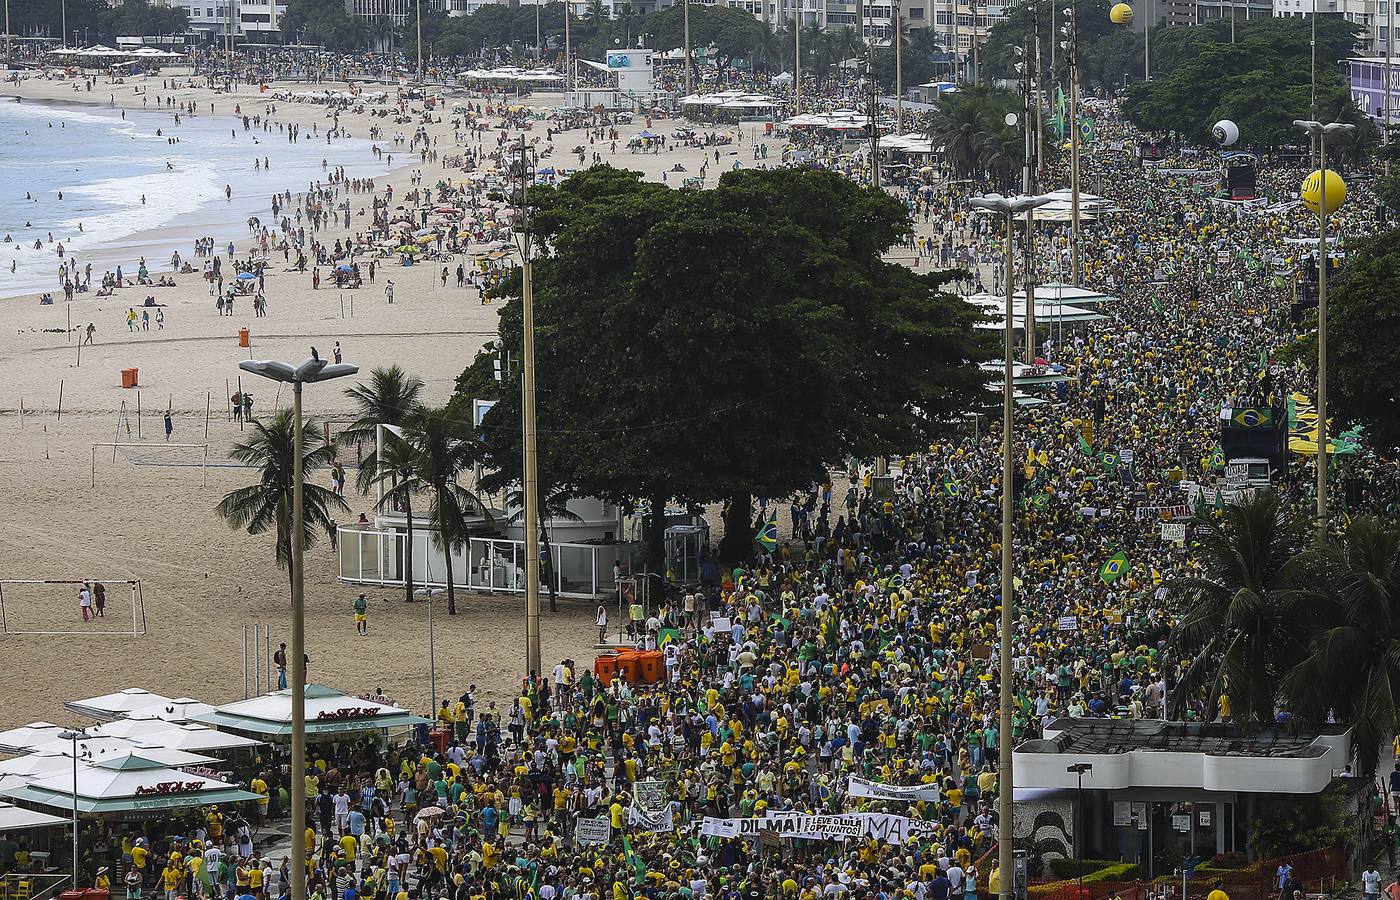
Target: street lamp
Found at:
430, 593
75, 736
1321, 131
309, 371
1071, 30
1078, 769
530, 460
1009, 207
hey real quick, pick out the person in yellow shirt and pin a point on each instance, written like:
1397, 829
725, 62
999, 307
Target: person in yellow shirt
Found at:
255, 878
140, 855
259, 787
170, 881
1217, 893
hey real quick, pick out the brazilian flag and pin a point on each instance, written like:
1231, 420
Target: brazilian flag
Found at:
639, 868
1109, 460
951, 488
1084, 446
667, 635
1113, 567
1217, 458
1038, 501
767, 536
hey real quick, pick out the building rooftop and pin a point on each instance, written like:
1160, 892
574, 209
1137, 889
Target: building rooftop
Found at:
1128, 735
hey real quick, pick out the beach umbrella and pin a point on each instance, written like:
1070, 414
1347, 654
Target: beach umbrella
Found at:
426, 238
246, 276
343, 267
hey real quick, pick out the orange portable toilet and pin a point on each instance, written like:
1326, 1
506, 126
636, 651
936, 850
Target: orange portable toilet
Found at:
629, 665
605, 667
129, 378
653, 665
244, 339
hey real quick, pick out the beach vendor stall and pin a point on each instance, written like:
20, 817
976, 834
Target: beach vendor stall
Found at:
121, 801
330, 716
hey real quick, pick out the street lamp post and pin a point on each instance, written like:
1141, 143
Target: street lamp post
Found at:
898, 69
1320, 132
1072, 51
1078, 770
309, 371
1009, 207
530, 462
685, 27
74, 736
430, 593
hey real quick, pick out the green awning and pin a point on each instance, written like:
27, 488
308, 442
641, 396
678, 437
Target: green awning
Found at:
130, 804
270, 728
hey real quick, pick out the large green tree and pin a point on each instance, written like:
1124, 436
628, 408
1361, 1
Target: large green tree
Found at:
1363, 340
732, 33
1262, 82
694, 346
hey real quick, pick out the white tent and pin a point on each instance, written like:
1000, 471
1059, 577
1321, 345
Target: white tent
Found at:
178, 710
101, 748
27, 737
114, 706
14, 818
193, 738
134, 725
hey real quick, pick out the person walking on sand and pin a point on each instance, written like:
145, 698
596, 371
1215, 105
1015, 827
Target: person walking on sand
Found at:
85, 602
361, 615
99, 600
169, 425
91, 330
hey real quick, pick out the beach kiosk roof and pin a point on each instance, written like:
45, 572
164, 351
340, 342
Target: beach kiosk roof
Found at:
328, 712
27, 737
101, 748
15, 818
194, 738
127, 784
178, 710
114, 706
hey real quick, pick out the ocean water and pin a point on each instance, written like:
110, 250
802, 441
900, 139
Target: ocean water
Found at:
105, 164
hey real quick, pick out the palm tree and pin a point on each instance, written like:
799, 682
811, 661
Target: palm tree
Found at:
268, 504
554, 506
1000, 151
1241, 627
389, 398
397, 471
442, 449
1352, 666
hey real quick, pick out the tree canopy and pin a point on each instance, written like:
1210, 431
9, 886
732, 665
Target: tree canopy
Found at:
1262, 82
700, 345
1363, 334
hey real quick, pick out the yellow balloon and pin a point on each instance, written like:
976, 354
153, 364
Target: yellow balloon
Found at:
1121, 14
1312, 194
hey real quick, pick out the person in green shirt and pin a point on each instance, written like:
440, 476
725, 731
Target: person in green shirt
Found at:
361, 615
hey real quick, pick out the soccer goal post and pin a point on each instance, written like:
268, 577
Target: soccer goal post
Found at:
117, 445
11, 623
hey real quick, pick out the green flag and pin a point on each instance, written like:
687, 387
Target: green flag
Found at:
639, 868
951, 488
1109, 460
1113, 567
1084, 446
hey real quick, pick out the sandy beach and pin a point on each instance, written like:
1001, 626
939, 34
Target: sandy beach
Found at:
201, 580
